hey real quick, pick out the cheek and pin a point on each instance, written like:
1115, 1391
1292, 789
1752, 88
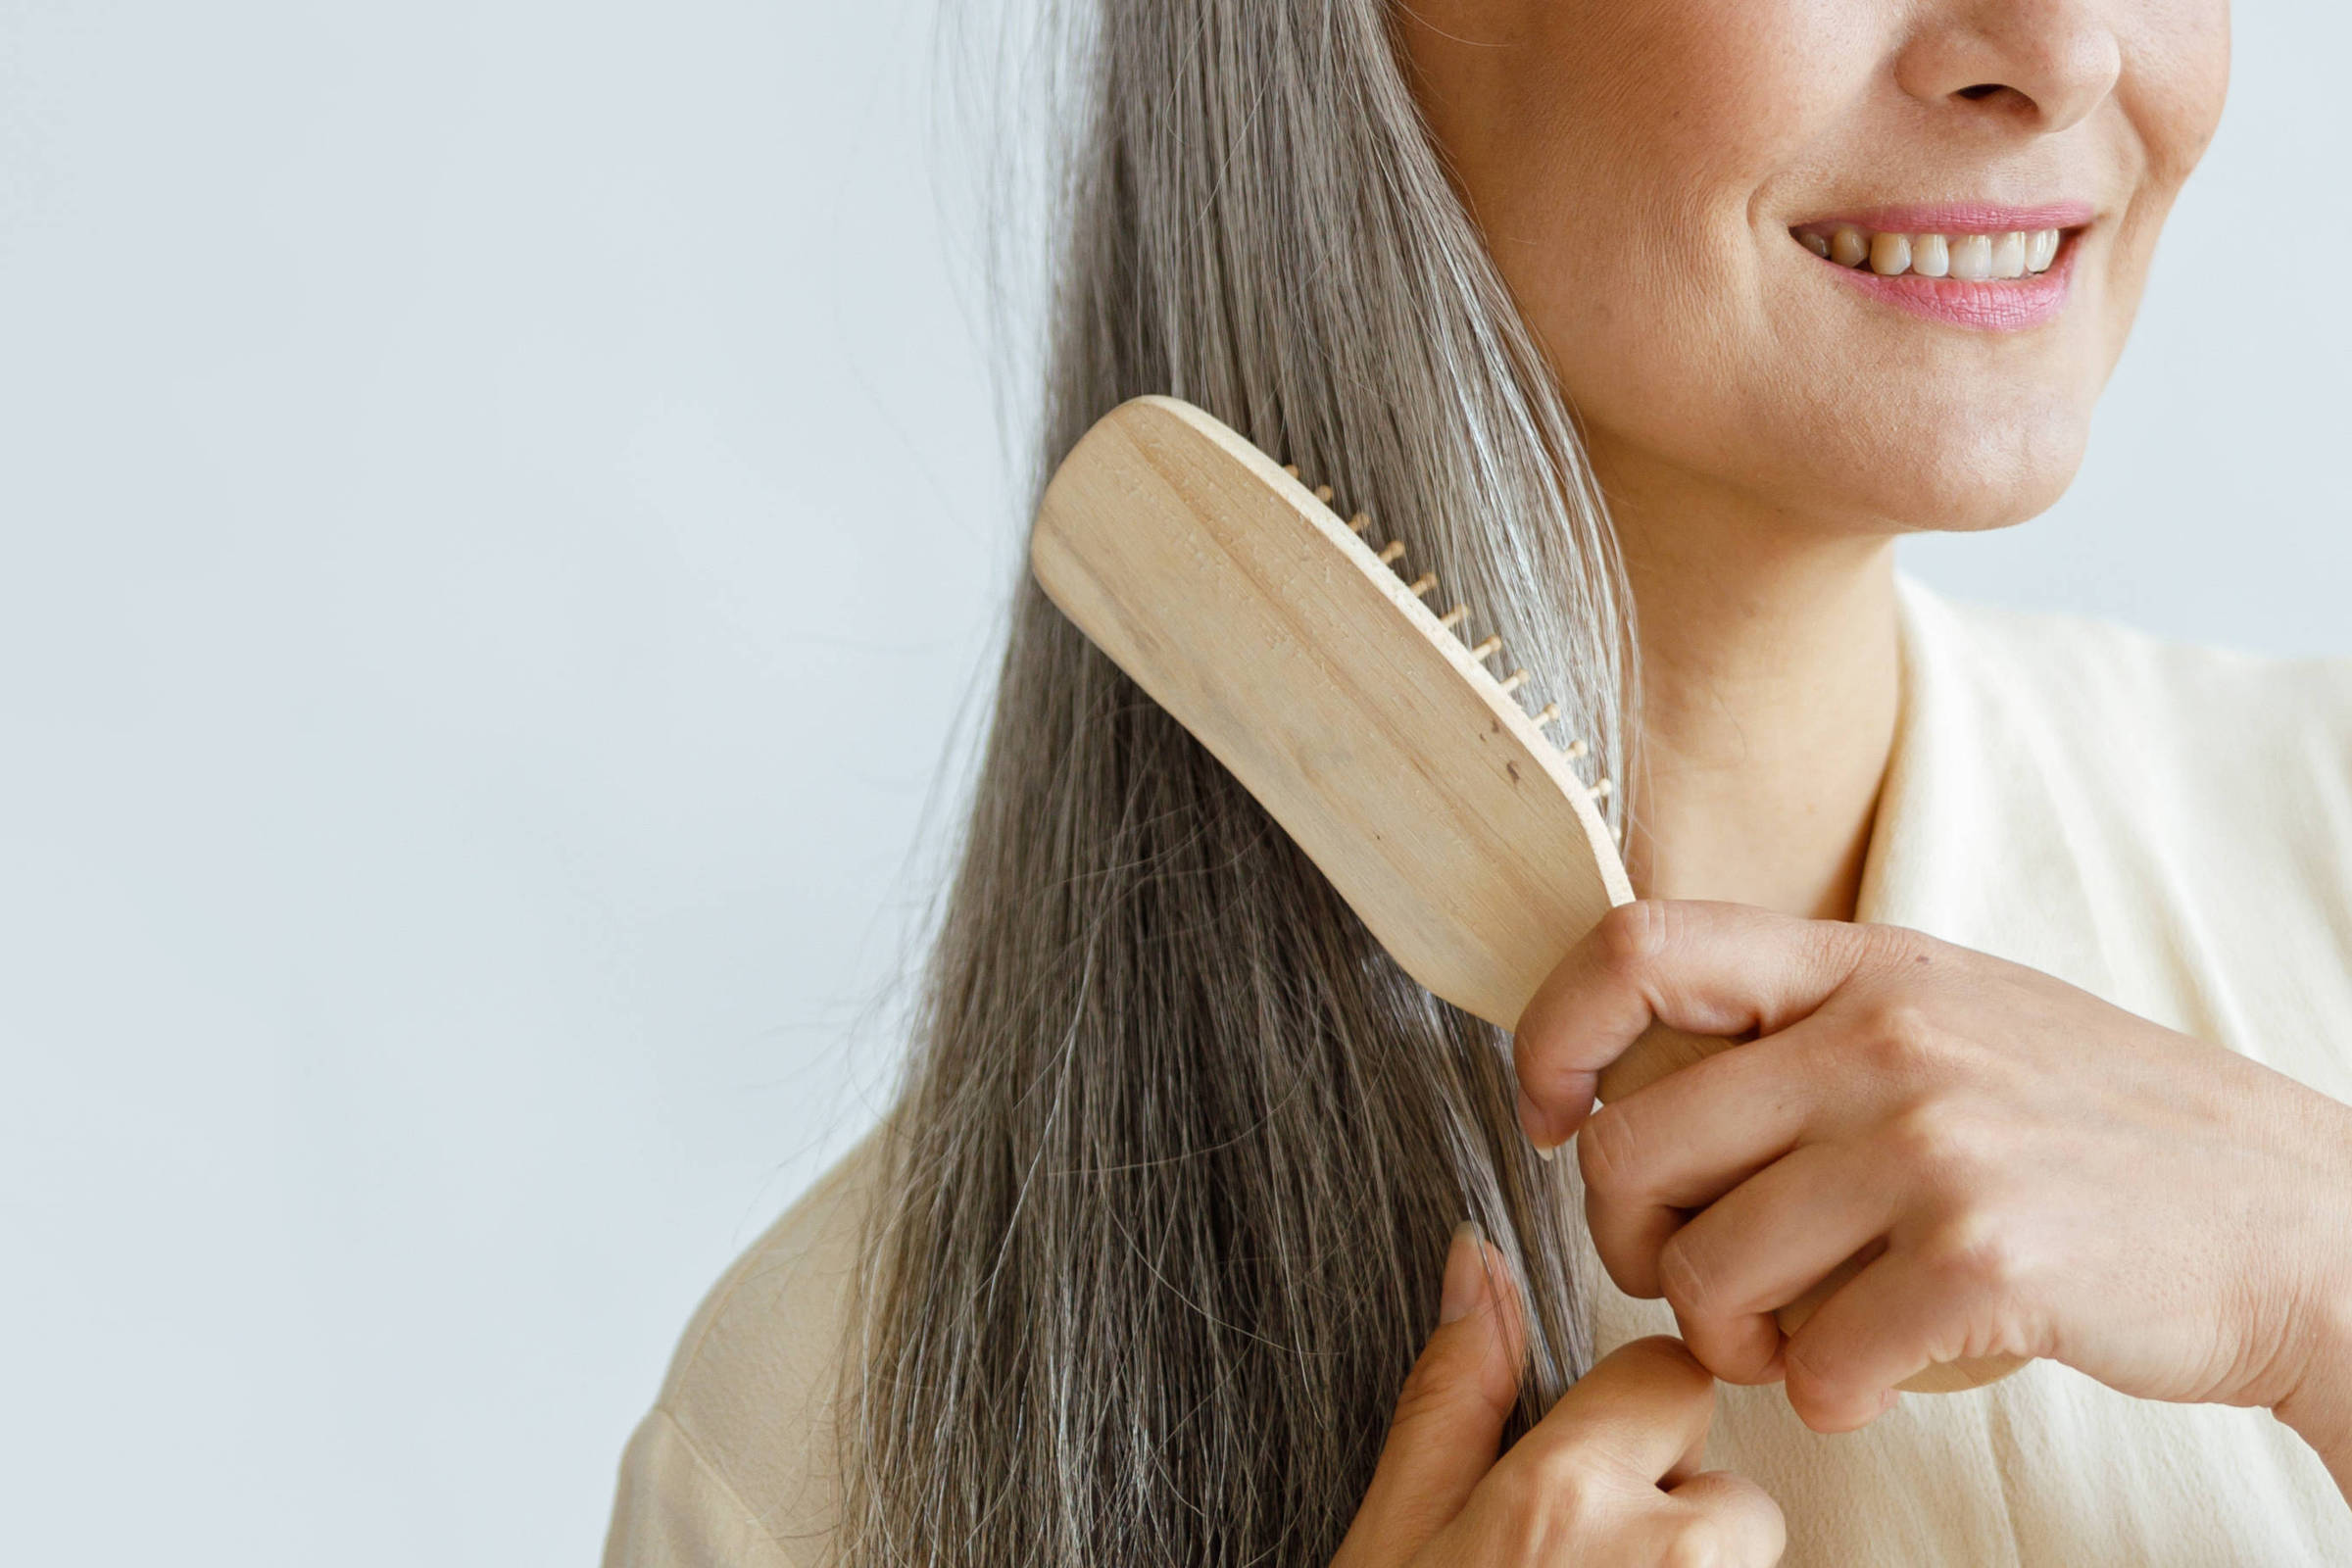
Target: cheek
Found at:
1622, 217
1659, 121
2176, 79
2175, 82
1633, 186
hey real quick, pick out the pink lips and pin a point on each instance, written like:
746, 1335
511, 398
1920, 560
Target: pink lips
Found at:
2002, 304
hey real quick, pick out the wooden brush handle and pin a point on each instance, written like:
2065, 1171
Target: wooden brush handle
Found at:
1659, 1052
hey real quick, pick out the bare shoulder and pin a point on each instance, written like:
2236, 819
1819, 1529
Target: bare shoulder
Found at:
736, 1463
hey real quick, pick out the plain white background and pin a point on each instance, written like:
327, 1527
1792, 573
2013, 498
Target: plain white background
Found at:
503, 513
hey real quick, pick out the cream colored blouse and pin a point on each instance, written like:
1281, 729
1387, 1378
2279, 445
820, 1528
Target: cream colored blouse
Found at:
2168, 827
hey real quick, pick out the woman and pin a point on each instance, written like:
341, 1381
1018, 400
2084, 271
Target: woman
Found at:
2043, 931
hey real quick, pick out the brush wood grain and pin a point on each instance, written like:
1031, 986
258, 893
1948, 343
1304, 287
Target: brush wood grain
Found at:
1451, 825
1382, 747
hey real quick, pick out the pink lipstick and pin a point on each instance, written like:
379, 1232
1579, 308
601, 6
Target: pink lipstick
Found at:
1968, 264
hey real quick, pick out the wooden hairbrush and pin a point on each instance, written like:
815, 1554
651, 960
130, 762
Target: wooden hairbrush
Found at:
1382, 740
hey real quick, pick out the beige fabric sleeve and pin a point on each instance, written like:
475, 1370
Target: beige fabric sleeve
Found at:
675, 1511
736, 1466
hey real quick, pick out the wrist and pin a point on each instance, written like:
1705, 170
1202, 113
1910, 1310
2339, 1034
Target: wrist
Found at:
2319, 1409
2318, 1404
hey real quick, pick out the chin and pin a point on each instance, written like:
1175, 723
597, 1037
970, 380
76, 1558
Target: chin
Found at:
1981, 477
1966, 504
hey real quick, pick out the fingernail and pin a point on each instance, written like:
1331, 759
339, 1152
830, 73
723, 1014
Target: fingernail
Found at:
1531, 1125
1465, 1274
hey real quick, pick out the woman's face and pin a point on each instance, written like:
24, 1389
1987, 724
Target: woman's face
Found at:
1657, 179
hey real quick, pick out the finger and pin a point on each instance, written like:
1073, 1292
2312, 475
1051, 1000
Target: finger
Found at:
1763, 1244
1745, 1526
1686, 1140
1449, 1417
1705, 968
1641, 1411
1696, 1133
1914, 1307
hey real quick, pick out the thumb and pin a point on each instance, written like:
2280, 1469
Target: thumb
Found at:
1449, 1416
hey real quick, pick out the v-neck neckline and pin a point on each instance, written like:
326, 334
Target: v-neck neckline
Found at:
1970, 842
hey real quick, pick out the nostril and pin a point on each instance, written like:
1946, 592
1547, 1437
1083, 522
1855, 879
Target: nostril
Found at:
1983, 89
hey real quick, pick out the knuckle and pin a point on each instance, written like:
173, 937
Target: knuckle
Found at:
1630, 936
1939, 1143
1514, 1494
1977, 1254
1736, 1500
1564, 1480
1892, 946
1900, 1041
1604, 1152
1696, 1543
1684, 1273
1427, 1395
1529, 1500
1808, 1363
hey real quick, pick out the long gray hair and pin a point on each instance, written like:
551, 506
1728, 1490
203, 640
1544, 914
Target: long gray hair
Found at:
1168, 1187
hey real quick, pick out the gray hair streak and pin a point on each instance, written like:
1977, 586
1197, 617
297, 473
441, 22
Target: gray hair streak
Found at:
1167, 1189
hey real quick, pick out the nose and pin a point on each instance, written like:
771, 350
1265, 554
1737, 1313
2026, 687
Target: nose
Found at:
2042, 64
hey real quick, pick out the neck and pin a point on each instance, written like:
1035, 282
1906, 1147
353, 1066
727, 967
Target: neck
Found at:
1770, 684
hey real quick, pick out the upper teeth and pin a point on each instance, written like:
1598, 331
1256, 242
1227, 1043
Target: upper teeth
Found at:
1971, 258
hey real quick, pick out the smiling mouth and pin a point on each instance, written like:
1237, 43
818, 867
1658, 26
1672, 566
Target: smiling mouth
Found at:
1968, 257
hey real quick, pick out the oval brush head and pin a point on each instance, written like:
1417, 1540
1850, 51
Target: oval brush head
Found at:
1374, 734
1363, 722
